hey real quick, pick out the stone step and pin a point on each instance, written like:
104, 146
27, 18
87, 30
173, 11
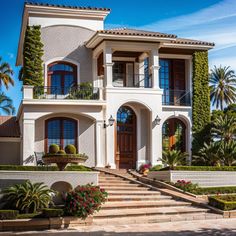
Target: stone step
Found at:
125, 188
114, 178
133, 192
155, 219
143, 204
119, 213
121, 184
128, 198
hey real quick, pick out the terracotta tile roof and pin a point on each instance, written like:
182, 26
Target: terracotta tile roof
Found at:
192, 42
9, 127
65, 6
134, 32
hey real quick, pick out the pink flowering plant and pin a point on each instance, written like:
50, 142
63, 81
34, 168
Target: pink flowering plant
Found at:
186, 186
84, 201
144, 167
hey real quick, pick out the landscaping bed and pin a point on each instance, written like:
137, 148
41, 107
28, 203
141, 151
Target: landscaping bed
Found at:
44, 168
225, 203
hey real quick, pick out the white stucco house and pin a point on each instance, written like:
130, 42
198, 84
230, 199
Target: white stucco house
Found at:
139, 101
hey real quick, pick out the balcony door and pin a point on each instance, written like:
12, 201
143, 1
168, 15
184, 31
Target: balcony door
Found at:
61, 77
123, 74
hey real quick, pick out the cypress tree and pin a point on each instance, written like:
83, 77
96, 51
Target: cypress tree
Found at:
32, 72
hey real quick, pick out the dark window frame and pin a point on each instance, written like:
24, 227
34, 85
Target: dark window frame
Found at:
61, 119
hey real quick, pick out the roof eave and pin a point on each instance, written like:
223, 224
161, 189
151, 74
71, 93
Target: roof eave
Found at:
189, 46
98, 37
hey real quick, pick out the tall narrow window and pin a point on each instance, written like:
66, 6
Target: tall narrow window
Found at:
61, 77
60, 131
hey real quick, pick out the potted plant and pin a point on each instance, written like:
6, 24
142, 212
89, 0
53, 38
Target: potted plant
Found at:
63, 157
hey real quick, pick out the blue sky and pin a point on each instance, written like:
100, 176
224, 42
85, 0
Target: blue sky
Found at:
211, 20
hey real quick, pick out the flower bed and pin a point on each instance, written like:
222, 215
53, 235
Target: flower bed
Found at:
225, 203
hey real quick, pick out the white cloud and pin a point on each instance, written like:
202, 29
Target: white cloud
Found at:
10, 55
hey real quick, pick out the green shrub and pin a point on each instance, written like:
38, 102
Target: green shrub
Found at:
8, 214
70, 149
84, 201
28, 197
43, 168
186, 186
156, 168
61, 152
30, 215
202, 168
52, 212
215, 190
77, 168
225, 203
53, 148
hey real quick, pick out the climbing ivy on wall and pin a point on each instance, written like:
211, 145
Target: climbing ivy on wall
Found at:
32, 71
201, 100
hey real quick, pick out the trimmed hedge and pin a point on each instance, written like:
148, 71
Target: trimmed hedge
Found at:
202, 168
8, 214
201, 99
43, 168
214, 190
52, 212
29, 215
225, 203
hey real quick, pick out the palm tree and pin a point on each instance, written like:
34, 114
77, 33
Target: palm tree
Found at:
228, 153
224, 128
208, 155
222, 90
173, 158
6, 104
5, 74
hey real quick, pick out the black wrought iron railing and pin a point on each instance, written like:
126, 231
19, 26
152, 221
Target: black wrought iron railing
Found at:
132, 80
176, 97
74, 92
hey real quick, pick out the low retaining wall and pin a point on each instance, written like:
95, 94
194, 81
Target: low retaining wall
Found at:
202, 178
73, 178
43, 224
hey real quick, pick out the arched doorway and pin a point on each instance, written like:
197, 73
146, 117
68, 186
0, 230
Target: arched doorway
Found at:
174, 135
126, 143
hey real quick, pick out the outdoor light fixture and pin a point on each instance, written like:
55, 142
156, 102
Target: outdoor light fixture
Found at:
111, 121
157, 120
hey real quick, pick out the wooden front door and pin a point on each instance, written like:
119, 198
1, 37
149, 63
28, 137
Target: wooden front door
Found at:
126, 138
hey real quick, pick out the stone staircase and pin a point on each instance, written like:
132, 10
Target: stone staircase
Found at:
132, 203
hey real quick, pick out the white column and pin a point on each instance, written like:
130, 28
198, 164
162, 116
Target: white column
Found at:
155, 141
107, 59
110, 139
28, 142
95, 76
100, 154
154, 65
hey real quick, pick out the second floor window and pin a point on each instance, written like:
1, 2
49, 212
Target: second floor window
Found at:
61, 77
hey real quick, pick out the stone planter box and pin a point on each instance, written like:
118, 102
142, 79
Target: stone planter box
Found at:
202, 178
73, 178
43, 223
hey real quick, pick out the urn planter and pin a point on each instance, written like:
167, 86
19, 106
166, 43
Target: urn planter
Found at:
63, 159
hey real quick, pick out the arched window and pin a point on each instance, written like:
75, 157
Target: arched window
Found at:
173, 135
61, 131
61, 77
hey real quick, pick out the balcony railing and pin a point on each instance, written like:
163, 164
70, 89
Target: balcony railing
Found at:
75, 92
132, 80
176, 97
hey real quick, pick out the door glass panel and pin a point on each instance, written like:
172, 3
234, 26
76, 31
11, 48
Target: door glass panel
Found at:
56, 84
53, 130
69, 132
118, 74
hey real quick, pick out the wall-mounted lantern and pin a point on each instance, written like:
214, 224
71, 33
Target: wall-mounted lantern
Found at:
157, 120
111, 122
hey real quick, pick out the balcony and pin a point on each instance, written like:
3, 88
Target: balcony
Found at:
132, 80
176, 98
62, 93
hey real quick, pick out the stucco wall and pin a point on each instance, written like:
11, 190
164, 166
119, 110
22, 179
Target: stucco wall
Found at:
9, 153
86, 135
68, 42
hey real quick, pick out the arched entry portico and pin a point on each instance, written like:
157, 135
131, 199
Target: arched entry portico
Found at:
126, 138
